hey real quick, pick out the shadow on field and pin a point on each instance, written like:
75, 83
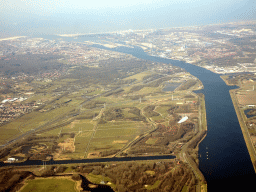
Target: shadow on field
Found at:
88, 186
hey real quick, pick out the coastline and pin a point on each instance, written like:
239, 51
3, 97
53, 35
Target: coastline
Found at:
12, 38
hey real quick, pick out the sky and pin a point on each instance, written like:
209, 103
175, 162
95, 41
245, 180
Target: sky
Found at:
93, 16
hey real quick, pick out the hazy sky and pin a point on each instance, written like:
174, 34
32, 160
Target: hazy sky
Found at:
83, 16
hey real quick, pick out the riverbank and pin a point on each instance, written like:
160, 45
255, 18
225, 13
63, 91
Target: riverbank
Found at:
242, 119
188, 154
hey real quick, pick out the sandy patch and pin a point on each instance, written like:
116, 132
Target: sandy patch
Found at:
67, 145
120, 141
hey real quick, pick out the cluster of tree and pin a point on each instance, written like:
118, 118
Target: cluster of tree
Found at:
61, 169
197, 139
157, 82
176, 134
113, 114
30, 64
151, 77
187, 85
109, 71
87, 116
136, 88
182, 109
92, 104
189, 96
115, 92
52, 170
154, 83
172, 109
134, 176
71, 135
37, 139
76, 177
149, 111
137, 112
10, 179
102, 121
49, 171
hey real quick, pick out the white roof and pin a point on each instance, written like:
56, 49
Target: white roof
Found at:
183, 119
4, 101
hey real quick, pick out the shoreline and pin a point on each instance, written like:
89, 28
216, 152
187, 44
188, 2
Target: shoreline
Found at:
244, 129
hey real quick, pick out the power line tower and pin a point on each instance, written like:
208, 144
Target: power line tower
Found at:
44, 164
102, 180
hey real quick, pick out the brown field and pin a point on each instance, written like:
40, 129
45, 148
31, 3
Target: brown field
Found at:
247, 98
253, 138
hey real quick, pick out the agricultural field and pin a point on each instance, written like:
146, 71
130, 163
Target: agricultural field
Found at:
50, 184
97, 120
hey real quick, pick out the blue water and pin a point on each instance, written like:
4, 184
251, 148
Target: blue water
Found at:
246, 111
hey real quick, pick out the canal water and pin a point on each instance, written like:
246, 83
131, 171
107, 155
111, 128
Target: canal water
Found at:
95, 160
223, 156
246, 113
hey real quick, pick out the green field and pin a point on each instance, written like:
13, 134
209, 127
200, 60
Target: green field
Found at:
154, 186
50, 185
123, 125
151, 141
7, 134
81, 142
115, 132
36, 119
162, 110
